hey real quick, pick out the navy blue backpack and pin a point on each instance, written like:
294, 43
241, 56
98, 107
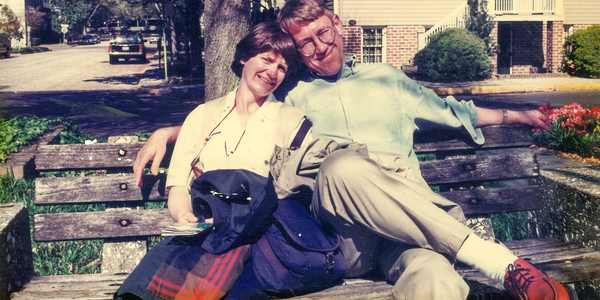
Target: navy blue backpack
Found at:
296, 255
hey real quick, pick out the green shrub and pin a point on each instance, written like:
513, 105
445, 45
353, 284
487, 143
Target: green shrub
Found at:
454, 54
582, 53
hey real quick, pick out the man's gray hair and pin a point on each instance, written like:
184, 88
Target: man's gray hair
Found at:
300, 12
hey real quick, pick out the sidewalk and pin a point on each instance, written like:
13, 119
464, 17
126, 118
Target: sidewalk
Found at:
491, 86
514, 85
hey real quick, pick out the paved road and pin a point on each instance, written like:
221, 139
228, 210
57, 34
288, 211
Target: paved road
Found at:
69, 68
523, 101
79, 83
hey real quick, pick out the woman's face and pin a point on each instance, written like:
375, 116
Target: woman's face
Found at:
263, 73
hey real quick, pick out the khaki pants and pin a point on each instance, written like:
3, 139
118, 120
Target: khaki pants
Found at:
388, 217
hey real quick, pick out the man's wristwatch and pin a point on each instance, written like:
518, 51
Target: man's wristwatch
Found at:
505, 120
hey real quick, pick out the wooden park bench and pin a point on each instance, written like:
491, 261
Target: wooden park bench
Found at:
500, 176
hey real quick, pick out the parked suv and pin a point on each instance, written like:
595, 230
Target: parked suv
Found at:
126, 45
4, 45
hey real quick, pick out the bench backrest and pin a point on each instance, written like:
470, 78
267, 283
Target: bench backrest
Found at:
499, 176
495, 177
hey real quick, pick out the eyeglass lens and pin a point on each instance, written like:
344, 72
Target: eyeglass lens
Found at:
327, 36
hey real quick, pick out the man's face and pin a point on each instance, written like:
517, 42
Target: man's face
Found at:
328, 57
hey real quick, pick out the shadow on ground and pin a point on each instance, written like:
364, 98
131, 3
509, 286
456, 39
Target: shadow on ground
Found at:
103, 113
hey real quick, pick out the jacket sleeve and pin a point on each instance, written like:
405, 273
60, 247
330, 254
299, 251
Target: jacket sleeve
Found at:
429, 111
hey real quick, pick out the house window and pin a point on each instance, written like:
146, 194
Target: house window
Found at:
373, 42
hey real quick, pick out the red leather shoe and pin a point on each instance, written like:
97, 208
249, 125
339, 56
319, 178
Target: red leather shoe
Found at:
523, 281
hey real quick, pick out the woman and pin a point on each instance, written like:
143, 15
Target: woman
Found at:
237, 131
241, 136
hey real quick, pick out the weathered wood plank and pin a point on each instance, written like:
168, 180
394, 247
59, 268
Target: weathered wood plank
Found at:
353, 291
564, 268
102, 286
495, 137
79, 156
493, 167
484, 201
112, 187
98, 225
93, 286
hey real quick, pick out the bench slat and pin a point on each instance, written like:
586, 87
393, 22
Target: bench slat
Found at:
495, 137
85, 286
493, 167
488, 201
102, 286
79, 156
94, 189
98, 225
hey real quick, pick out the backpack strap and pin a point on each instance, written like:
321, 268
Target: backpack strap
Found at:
301, 134
287, 121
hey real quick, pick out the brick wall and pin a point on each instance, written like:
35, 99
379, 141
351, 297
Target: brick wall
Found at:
353, 41
581, 26
401, 44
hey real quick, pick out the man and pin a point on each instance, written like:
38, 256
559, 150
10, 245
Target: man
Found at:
384, 211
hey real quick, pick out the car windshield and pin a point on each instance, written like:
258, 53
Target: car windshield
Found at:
127, 39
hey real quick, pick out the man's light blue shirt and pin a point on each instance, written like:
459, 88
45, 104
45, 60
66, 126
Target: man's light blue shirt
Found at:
377, 105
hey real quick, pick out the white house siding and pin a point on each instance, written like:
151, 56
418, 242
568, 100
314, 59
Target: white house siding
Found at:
395, 12
582, 12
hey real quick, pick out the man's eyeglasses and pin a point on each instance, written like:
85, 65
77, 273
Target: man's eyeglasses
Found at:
326, 36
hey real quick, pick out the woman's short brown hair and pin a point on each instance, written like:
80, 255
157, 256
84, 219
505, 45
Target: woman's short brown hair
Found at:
265, 37
299, 12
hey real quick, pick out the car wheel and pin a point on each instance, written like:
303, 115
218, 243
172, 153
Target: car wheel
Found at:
142, 59
7, 54
113, 60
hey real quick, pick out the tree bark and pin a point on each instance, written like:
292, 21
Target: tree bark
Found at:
226, 22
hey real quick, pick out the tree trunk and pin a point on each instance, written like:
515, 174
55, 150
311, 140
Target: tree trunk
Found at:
226, 22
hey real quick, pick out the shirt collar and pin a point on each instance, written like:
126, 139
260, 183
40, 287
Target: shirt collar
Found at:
346, 71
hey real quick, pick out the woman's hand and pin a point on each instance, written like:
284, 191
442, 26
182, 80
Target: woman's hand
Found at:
154, 150
180, 205
187, 217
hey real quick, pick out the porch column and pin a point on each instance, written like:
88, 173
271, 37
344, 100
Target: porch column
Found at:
555, 46
494, 57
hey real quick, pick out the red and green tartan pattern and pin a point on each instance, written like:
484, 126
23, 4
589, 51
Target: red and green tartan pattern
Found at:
212, 277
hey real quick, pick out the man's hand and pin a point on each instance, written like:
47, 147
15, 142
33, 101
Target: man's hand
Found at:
536, 119
154, 150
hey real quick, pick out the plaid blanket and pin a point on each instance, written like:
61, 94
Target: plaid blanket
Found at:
193, 273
